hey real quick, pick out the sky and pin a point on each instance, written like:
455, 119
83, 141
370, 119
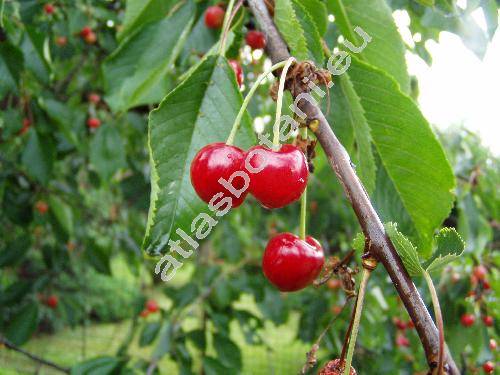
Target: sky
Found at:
459, 88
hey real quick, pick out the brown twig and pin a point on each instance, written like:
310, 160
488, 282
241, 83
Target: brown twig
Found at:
311, 355
382, 247
32, 356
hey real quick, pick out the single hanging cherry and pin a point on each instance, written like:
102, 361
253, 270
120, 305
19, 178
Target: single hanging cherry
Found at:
256, 39
291, 263
215, 161
238, 70
283, 177
214, 17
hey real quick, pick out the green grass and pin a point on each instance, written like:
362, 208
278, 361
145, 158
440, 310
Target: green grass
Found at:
68, 346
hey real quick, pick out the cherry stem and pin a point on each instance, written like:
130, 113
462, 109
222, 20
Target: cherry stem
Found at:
279, 104
1, 13
439, 321
225, 27
246, 101
303, 201
357, 317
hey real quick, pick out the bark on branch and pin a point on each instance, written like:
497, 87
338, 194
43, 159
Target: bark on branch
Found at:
381, 246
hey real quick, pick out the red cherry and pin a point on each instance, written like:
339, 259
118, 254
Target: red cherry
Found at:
152, 306
90, 38
49, 8
480, 272
61, 41
214, 17
282, 177
488, 367
94, 98
144, 313
493, 344
467, 320
256, 39
399, 324
85, 31
52, 301
93, 123
410, 324
402, 341
486, 285
238, 70
488, 321
335, 367
291, 263
215, 161
42, 207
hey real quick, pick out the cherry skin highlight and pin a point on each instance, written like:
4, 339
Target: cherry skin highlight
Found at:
283, 177
215, 161
238, 70
256, 39
291, 263
214, 17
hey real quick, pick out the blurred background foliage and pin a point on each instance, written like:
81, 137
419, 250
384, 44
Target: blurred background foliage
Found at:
74, 202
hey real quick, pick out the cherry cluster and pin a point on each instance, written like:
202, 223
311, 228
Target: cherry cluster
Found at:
280, 178
150, 307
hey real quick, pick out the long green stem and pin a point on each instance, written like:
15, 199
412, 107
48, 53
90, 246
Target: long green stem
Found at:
279, 104
357, 317
246, 101
225, 26
439, 321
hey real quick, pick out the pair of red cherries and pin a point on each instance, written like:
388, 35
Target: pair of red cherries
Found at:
275, 179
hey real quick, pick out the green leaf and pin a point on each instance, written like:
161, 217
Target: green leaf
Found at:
460, 23
32, 47
39, 156
490, 10
289, 26
11, 66
24, 324
228, 353
313, 38
149, 333
164, 342
449, 247
386, 50
99, 257
135, 73
15, 251
405, 249
358, 243
346, 112
140, 12
428, 3
318, 12
213, 367
107, 152
97, 366
62, 213
199, 111
409, 150
64, 117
